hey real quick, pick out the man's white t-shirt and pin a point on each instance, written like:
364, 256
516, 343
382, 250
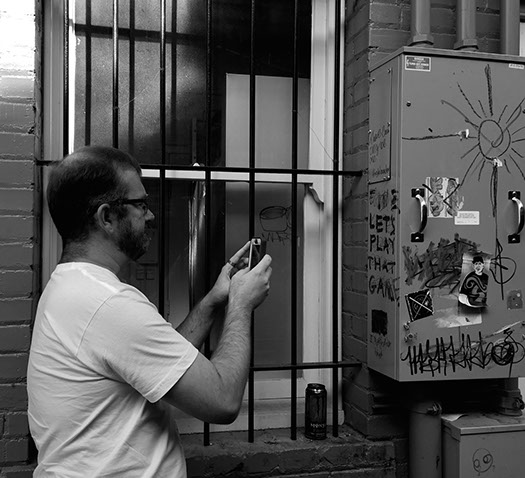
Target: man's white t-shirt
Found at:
101, 359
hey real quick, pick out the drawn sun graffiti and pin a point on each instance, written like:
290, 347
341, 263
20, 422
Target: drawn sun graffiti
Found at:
497, 133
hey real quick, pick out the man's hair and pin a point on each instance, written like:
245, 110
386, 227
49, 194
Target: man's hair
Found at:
477, 259
80, 183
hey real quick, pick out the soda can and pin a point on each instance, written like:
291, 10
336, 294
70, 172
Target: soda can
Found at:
315, 411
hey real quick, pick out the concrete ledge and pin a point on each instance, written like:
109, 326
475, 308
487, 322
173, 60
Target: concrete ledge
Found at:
273, 453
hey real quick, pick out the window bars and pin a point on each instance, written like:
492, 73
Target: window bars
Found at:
210, 171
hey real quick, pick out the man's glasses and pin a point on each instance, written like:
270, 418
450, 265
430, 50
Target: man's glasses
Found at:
141, 203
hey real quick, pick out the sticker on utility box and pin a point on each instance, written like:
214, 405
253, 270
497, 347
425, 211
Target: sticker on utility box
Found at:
467, 218
419, 63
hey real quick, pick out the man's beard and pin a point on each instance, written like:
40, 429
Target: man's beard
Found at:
133, 243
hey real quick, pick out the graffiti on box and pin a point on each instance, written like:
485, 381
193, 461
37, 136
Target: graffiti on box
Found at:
499, 349
382, 280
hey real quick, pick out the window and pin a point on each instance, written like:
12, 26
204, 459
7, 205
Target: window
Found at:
229, 107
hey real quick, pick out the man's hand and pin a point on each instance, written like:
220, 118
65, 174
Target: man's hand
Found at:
218, 295
212, 389
248, 289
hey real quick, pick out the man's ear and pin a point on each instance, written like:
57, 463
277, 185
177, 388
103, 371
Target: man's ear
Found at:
105, 219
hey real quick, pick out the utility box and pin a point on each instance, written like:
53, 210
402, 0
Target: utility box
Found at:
446, 244
488, 446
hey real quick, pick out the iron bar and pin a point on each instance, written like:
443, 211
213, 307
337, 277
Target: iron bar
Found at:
251, 205
305, 366
145, 36
89, 80
65, 66
131, 95
293, 311
335, 221
115, 112
208, 173
234, 169
162, 179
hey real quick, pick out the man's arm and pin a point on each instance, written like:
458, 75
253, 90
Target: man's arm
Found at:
212, 390
197, 324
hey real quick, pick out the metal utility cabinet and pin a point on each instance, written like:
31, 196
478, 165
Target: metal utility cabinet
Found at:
490, 446
446, 256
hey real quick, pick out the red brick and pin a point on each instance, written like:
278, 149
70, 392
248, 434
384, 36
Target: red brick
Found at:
13, 397
359, 397
357, 21
359, 138
16, 424
487, 24
15, 310
16, 200
16, 117
16, 227
359, 327
13, 366
357, 161
372, 426
355, 257
16, 172
380, 13
388, 40
444, 41
358, 233
356, 208
16, 255
442, 20
18, 471
16, 86
14, 338
16, 283
16, 450
17, 144
359, 114
355, 348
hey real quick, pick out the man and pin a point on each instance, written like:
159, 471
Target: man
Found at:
105, 367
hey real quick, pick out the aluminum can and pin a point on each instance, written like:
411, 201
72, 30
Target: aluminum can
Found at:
315, 411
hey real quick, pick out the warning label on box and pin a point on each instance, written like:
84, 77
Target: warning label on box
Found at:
467, 218
419, 63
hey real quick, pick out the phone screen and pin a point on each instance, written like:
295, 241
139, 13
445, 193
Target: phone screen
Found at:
257, 251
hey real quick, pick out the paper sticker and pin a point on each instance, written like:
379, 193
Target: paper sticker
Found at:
444, 199
467, 218
516, 66
419, 304
419, 63
474, 280
514, 300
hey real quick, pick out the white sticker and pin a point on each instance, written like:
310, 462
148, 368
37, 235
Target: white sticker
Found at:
516, 66
467, 218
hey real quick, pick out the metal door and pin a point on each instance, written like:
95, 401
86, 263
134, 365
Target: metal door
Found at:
454, 187
462, 168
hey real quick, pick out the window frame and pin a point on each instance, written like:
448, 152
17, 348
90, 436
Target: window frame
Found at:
317, 334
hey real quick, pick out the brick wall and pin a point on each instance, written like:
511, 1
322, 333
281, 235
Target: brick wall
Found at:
17, 190
374, 29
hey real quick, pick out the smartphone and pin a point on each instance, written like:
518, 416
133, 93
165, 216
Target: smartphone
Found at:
257, 251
